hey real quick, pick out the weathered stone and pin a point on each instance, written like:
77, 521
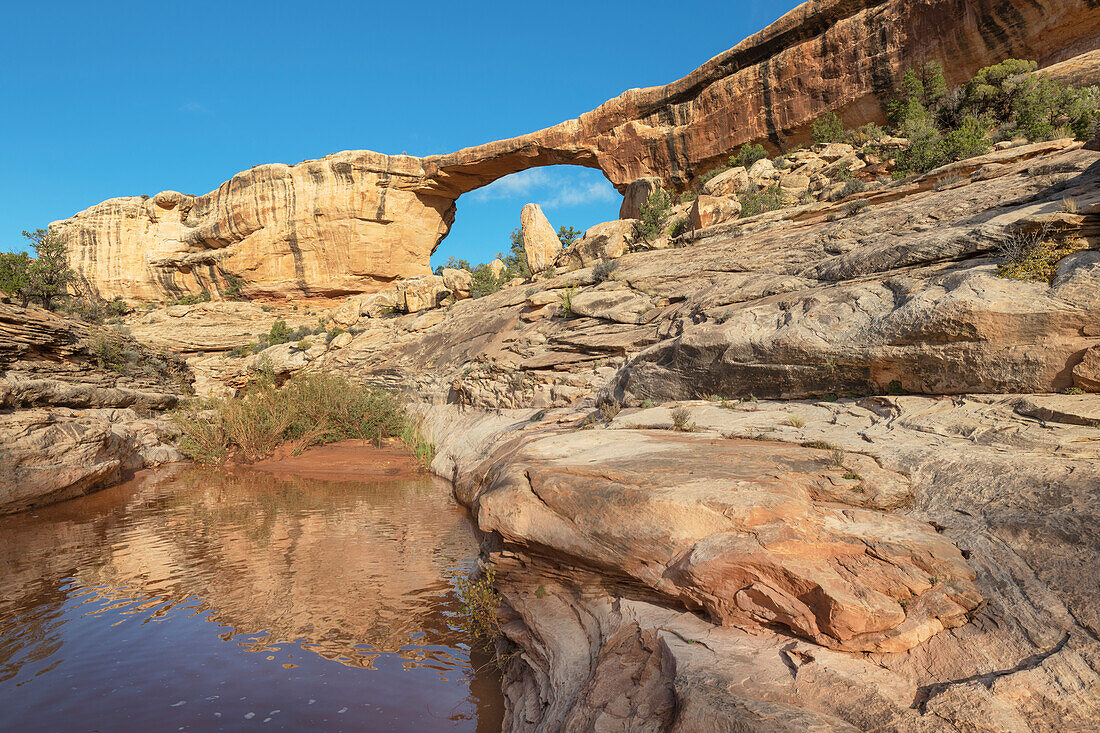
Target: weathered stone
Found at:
637, 193
422, 293
1086, 375
605, 241
496, 267
762, 169
541, 245
710, 210
458, 282
216, 326
727, 183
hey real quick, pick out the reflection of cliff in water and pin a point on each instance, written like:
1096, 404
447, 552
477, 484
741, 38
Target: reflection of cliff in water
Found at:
348, 570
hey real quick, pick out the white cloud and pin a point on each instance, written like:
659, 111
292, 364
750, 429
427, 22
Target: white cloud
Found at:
194, 108
558, 187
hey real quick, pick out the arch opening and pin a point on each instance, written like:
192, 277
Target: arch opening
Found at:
571, 196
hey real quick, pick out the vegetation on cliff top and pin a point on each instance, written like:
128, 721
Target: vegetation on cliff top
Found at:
309, 409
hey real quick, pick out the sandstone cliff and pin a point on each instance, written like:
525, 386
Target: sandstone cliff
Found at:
353, 221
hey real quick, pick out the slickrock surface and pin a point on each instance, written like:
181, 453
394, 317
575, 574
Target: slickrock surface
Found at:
69, 426
649, 573
845, 560
352, 222
809, 300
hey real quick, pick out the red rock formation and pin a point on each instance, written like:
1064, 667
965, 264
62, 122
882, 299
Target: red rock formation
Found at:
353, 221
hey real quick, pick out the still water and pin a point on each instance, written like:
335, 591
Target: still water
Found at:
237, 600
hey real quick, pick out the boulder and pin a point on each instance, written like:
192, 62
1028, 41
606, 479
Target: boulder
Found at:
541, 245
635, 194
458, 281
794, 183
833, 151
604, 241
763, 169
1086, 375
497, 266
727, 183
710, 210
422, 293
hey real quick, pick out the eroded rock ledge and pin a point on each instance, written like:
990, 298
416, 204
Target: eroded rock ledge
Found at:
719, 581
354, 221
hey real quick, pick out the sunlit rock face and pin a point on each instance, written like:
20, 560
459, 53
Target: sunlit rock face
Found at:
347, 223
353, 221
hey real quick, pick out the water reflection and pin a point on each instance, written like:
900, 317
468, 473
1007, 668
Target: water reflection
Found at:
209, 599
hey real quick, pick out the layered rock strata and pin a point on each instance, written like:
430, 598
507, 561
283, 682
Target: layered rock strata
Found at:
354, 221
79, 407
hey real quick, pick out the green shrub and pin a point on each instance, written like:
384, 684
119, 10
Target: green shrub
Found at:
234, 287
827, 129
15, 276
280, 333
566, 296
678, 226
749, 154
569, 235
480, 604
310, 409
761, 200
653, 215
1034, 255
970, 139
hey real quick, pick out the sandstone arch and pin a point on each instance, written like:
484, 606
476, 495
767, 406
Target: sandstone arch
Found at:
354, 221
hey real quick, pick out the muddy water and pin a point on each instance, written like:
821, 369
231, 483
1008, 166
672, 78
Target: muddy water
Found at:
240, 600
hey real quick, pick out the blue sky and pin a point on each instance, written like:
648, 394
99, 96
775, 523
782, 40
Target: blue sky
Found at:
112, 99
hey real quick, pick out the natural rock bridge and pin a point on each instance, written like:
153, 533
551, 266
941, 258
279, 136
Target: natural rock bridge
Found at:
353, 221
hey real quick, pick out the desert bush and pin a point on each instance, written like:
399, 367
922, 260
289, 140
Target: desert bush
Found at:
681, 420
678, 226
855, 207
310, 409
568, 235
827, 129
1034, 255
749, 154
851, 186
759, 200
566, 296
14, 276
108, 349
653, 215
605, 270
480, 604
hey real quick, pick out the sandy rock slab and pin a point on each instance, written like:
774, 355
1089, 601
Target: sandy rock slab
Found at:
751, 533
49, 455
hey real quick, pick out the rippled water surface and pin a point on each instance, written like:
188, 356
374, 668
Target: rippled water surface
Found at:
215, 600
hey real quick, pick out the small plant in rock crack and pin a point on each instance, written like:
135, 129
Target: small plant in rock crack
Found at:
566, 296
795, 421
851, 475
681, 420
836, 458
480, 603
